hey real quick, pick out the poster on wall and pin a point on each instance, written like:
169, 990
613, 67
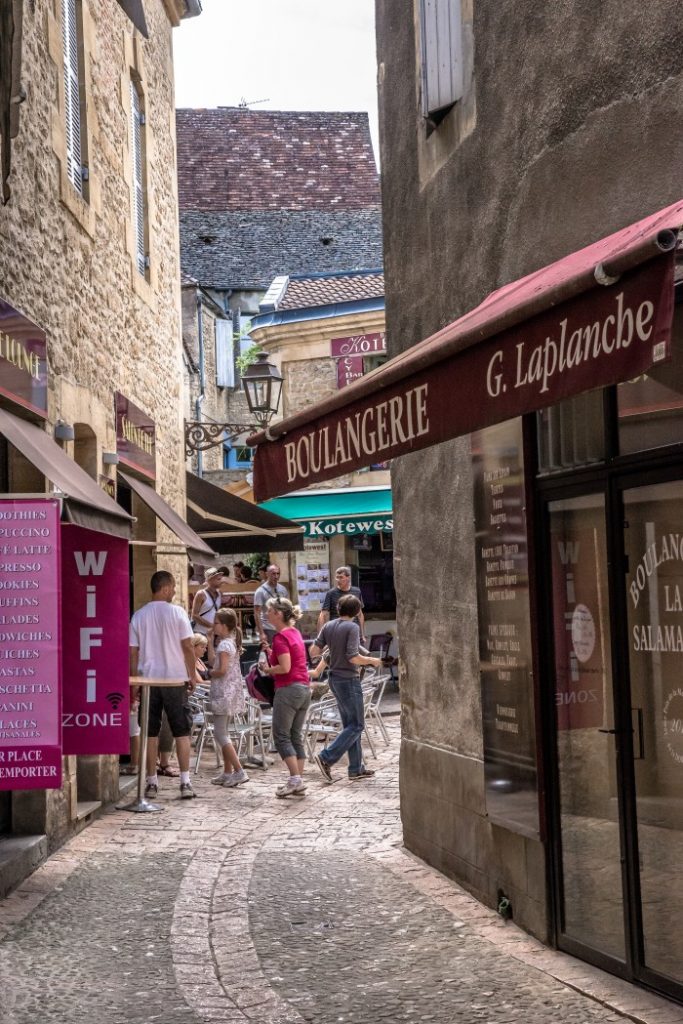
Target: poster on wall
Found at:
312, 574
30, 702
505, 628
95, 642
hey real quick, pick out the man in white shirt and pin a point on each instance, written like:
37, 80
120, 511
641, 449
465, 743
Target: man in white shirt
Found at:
161, 648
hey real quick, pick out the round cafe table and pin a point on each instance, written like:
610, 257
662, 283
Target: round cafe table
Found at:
140, 805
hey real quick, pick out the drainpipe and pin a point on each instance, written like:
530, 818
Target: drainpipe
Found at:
202, 382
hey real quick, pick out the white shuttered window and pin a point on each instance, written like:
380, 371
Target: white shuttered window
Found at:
225, 354
139, 211
72, 94
442, 55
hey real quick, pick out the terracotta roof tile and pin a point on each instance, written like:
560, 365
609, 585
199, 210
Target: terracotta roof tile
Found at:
236, 159
303, 292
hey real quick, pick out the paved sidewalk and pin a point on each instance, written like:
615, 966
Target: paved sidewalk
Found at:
237, 907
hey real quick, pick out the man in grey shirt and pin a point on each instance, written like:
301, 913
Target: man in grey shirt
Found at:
342, 637
270, 588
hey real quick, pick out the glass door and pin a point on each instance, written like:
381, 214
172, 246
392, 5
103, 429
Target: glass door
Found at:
653, 538
588, 841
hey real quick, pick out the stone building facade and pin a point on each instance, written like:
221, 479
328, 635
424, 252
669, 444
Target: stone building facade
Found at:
70, 262
560, 133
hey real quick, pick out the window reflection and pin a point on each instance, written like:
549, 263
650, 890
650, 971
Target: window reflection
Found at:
651, 406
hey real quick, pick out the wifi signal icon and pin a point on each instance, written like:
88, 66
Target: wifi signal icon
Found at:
114, 699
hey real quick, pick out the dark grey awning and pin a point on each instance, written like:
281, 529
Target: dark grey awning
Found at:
197, 550
85, 502
136, 13
232, 525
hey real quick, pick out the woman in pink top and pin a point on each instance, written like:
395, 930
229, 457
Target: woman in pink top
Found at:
289, 669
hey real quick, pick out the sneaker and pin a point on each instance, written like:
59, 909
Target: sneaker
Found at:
151, 791
366, 773
324, 768
186, 791
220, 780
236, 779
291, 789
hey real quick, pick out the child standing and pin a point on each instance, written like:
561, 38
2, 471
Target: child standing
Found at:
227, 693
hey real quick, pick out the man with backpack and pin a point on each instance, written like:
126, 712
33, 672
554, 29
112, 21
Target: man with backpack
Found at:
208, 599
342, 637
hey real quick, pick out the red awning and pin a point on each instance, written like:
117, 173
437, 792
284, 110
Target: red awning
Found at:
596, 317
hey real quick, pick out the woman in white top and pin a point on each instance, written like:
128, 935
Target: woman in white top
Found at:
227, 693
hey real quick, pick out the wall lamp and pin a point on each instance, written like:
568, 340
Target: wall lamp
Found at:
64, 431
110, 458
262, 384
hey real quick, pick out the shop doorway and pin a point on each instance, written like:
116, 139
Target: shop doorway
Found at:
614, 634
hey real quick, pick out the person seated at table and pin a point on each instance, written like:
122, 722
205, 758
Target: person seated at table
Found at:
227, 694
200, 644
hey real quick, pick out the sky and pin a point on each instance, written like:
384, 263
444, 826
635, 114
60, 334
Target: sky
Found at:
290, 54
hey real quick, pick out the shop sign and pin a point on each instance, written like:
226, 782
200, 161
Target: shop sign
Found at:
358, 345
347, 527
505, 660
30, 700
95, 654
23, 360
135, 437
600, 337
349, 368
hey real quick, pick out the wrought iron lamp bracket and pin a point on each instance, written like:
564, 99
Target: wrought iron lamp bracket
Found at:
199, 437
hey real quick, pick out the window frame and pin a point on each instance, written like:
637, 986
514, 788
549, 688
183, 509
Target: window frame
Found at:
442, 66
139, 209
75, 128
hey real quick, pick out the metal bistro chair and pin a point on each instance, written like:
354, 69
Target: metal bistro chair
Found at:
203, 724
373, 713
322, 722
251, 728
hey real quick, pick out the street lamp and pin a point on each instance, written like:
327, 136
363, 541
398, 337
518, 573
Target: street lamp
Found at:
262, 383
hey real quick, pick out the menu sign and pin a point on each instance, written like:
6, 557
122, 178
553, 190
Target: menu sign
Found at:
30, 700
23, 360
504, 628
135, 437
95, 649
312, 574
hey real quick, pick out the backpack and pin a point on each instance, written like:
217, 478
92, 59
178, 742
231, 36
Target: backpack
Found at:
260, 688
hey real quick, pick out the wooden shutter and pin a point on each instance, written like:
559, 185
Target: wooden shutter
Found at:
138, 184
225, 358
442, 57
72, 95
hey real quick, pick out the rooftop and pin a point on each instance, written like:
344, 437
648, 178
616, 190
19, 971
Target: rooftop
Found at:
246, 250
237, 159
328, 289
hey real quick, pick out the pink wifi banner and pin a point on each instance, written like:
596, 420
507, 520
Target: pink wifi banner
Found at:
95, 582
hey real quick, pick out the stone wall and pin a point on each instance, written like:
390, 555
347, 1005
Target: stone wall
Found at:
564, 135
67, 263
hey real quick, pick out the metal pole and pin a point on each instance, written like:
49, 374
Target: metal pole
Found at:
142, 806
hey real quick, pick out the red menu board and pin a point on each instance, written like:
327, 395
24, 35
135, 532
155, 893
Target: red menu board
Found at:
30, 699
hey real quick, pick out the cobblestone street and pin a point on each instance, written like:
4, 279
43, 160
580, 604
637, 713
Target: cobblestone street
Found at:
239, 907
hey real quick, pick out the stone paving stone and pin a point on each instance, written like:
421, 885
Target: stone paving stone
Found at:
278, 912
97, 949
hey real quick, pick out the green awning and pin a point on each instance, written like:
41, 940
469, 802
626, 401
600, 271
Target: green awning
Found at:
333, 513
